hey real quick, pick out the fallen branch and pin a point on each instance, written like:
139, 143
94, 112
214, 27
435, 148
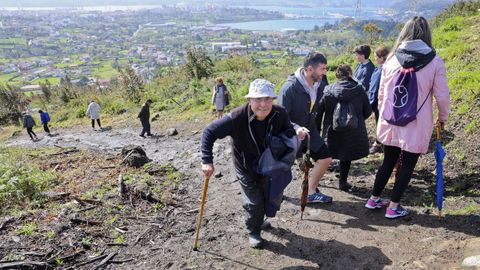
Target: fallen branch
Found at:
83, 221
85, 209
122, 261
140, 236
65, 152
125, 158
105, 261
66, 258
121, 185
191, 211
108, 167
22, 264
55, 195
121, 230
117, 244
84, 201
87, 262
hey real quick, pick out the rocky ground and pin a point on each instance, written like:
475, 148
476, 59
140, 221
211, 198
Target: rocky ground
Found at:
102, 229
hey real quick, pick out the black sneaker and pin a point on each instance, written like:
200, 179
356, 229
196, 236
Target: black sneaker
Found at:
345, 187
143, 136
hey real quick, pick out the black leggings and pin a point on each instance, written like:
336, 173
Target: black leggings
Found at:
98, 121
30, 132
408, 162
344, 169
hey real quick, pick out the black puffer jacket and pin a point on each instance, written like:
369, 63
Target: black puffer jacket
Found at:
351, 144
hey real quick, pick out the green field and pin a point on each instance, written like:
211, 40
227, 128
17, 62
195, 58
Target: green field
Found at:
17, 41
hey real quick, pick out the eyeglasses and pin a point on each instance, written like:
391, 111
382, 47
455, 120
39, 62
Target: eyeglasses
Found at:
262, 99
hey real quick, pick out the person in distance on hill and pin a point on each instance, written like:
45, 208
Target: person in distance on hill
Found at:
144, 116
29, 123
220, 97
45, 118
364, 69
413, 54
249, 126
380, 55
349, 142
93, 111
300, 95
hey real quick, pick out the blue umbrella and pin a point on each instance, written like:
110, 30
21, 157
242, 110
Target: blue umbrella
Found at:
439, 156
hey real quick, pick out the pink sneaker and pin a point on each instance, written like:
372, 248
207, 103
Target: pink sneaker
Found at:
376, 204
396, 212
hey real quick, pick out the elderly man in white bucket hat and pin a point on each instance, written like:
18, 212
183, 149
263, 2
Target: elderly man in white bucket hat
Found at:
249, 126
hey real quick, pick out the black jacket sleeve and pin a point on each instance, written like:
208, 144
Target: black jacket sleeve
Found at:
143, 113
216, 130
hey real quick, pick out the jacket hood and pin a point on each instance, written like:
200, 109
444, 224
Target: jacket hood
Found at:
301, 78
344, 90
414, 54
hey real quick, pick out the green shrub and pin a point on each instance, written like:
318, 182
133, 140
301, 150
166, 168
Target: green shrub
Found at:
19, 180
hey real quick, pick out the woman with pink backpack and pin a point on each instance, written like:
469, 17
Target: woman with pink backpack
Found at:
412, 75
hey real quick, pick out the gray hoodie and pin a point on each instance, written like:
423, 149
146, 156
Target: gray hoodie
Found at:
312, 91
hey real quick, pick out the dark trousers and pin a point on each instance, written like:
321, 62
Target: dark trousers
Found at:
98, 122
408, 162
145, 127
30, 132
253, 202
344, 169
45, 127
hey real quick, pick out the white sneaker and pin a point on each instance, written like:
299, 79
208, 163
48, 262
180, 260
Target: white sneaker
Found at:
255, 241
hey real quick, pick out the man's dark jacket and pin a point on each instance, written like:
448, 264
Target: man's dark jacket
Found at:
144, 114
297, 102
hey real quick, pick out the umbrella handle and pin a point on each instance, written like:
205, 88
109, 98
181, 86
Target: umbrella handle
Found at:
439, 137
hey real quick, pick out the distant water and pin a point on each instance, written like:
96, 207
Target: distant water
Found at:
85, 8
278, 25
305, 18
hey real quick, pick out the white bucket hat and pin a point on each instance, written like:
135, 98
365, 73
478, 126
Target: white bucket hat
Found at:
261, 88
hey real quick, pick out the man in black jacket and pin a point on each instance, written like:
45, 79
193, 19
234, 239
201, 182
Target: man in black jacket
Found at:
300, 95
144, 116
249, 126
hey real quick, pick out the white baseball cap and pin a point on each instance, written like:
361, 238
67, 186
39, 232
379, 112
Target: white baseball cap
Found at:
261, 88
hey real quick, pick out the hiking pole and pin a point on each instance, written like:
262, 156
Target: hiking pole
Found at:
200, 214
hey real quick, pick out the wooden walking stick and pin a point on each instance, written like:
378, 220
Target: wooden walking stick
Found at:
200, 214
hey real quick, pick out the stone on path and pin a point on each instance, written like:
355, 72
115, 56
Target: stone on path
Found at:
472, 254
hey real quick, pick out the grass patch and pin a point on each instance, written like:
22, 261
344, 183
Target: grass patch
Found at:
20, 180
467, 210
28, 228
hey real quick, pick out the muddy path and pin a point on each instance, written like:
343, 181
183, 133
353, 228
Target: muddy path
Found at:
341, 235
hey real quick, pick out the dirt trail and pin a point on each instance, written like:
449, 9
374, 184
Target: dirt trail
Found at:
341, 235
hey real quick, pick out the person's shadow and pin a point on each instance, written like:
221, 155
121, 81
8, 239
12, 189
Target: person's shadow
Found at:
329, 254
